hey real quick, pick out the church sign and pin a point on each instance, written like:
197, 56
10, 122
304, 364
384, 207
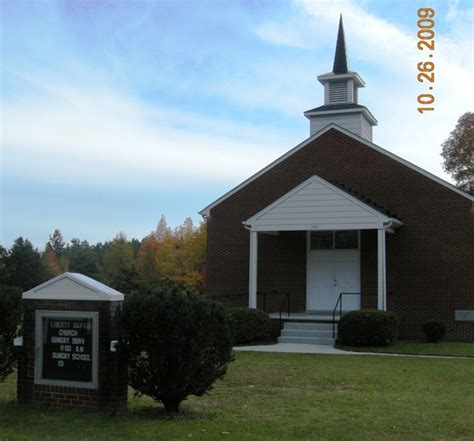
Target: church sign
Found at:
68, 353
67, 348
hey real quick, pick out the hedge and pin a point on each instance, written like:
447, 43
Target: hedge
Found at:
250, 325
368, 327
434, 330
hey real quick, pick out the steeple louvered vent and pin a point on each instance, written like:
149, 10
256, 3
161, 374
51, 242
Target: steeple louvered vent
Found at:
338, 91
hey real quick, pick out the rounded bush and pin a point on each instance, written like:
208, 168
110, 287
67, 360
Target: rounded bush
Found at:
434, 330
11, 310
368, 327
250, 325
177, 344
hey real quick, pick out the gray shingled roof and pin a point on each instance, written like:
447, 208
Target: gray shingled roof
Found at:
337, 107
365, 200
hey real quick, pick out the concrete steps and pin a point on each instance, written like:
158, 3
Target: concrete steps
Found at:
307, 333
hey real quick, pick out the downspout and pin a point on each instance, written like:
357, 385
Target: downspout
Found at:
388, 224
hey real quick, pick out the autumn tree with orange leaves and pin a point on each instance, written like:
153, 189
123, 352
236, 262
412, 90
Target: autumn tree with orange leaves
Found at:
53, 257
174, 256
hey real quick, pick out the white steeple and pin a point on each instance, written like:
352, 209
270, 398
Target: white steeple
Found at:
341, 98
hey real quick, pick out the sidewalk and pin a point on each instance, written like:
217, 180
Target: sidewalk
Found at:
297, 348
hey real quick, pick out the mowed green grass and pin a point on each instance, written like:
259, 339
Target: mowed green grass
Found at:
282, 397
450, 349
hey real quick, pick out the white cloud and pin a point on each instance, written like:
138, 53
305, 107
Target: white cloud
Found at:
453, 10
79, 133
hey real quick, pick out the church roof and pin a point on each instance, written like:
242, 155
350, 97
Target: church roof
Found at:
206, 211
366, 200
337, 107
340, 108
341, 65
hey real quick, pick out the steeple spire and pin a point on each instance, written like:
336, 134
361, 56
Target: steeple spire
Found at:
341, 66
341, 97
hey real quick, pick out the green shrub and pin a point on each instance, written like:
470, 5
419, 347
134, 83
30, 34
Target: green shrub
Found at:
368, 327
11, 312
434, 330
250, 325
177, 344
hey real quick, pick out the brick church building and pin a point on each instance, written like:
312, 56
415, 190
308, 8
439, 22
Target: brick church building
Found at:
340, 219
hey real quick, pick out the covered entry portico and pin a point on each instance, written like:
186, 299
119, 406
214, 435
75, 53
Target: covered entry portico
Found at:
332, 219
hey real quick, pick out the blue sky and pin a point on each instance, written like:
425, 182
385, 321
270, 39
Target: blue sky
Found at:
114, 112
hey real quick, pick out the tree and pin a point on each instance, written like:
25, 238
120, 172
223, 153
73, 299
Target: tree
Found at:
118, 267
3, 265
174, 256
24, 266
147, 267
162, 229
82, 257
56, 243
191, 255
10, 307
458, 153
54, 264
54, 260
167, 258
177, 344
185, 229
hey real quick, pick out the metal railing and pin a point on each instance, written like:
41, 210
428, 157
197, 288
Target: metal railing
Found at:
285, 301
339, 303
262, 296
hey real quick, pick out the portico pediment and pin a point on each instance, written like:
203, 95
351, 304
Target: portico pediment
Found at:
316, 204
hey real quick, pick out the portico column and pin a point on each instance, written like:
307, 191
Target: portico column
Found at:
253, 269
381, 283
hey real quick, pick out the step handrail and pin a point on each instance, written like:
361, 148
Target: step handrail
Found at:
339, 303
286, 299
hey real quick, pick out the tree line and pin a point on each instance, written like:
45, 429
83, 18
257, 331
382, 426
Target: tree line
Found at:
164, 257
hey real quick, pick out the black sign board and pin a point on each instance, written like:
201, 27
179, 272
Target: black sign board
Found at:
67, 349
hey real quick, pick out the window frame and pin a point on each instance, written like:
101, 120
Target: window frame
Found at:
308, 241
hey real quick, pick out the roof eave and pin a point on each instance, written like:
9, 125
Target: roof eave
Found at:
331, 76
31, 293
363, 110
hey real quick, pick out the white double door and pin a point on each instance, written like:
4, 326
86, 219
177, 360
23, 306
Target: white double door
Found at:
328, 273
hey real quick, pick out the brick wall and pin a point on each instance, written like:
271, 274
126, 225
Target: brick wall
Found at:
429, 259
112, 371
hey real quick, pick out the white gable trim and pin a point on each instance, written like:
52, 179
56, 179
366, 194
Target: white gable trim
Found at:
206, 211
87, 289
372, 218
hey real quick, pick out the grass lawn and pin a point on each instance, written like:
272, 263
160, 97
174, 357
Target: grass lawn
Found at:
454, 349
282, 397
